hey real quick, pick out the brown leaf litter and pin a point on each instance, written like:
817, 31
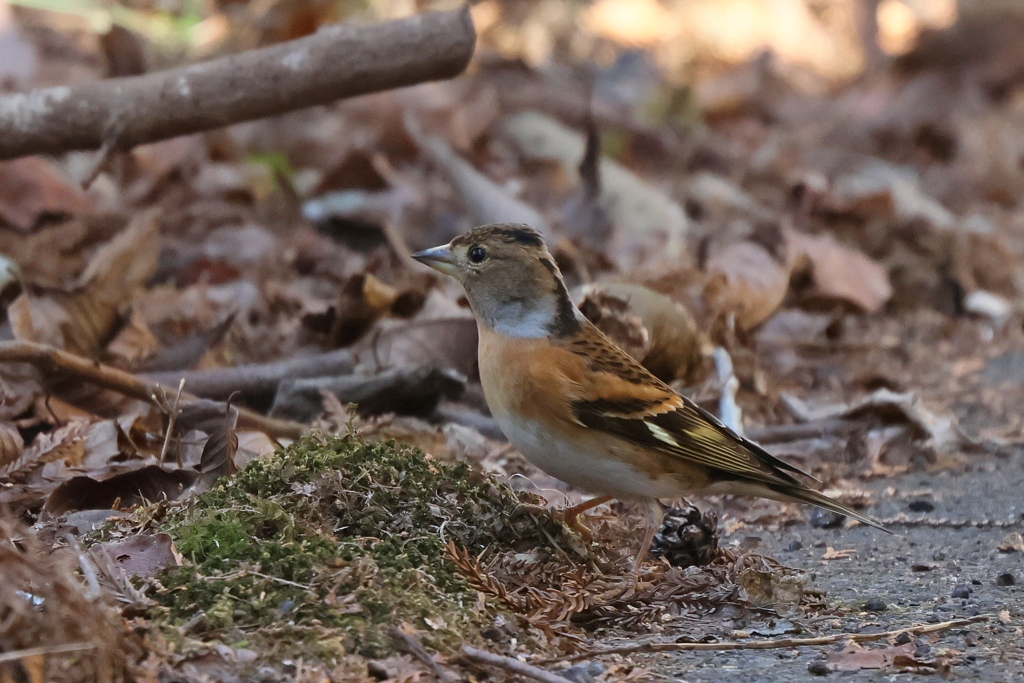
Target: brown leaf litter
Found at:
69, 633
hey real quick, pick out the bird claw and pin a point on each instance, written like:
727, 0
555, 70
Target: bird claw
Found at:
573, 522
625, 589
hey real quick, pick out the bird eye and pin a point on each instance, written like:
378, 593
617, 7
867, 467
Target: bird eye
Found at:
477, 254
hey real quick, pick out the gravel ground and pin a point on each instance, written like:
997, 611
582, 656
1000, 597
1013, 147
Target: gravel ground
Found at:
914, 573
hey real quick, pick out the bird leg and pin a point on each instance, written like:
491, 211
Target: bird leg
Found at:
630, 584
655, 516
569, 515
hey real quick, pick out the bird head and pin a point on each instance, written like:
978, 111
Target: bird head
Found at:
510, 279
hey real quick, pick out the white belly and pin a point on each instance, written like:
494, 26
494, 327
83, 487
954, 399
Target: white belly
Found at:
577, 464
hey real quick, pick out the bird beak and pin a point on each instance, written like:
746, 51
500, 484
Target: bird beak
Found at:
439, 258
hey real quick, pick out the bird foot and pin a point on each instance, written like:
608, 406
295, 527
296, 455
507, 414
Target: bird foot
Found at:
574, 523
626, 588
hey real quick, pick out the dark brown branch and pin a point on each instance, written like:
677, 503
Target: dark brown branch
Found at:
53, 362
336, 62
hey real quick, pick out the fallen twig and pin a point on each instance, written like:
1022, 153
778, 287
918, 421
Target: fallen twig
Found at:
903, 519
512, 665
411, 645
171, 417
804, 430
15, 655
258, 381
52, 361
335, 62
767, 644
86, 565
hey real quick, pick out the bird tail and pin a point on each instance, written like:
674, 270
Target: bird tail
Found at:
807, 495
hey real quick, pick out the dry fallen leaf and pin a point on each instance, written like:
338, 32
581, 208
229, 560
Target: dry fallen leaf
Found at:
833, 554
659, 332
1012, 543
83, 319
745, 280
103, 489
134, 343
11, 444
31, 187
143, 554
855, 657
840, 272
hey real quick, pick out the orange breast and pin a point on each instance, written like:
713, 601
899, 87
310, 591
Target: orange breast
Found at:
518, 377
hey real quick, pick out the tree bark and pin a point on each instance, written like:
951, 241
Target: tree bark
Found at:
336, 62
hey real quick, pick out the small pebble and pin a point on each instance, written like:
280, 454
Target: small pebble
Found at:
961, 592
875, 605
1006, 579
795, 544
826, 519
818, 668
584, 672
975, 582
921, 506
903, 639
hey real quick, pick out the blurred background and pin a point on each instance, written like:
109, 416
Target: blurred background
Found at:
804, 214
828, 191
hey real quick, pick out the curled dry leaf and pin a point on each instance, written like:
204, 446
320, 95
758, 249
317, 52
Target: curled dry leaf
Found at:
11, 444
19, 389
31, 187
840, 272
83, 319
745, 280
363, 301
656, 330
134, 343
218, 457
252, 445
66, 445
101, 490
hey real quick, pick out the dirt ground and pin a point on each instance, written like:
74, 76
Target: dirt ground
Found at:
914, 572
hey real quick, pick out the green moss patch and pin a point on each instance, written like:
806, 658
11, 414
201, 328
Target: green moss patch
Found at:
331, 542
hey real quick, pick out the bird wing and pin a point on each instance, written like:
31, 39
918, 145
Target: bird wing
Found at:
618, 396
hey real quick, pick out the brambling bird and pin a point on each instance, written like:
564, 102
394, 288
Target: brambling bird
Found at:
580, 408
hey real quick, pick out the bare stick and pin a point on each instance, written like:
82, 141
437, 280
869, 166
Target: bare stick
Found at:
52, 361
335, 62
411, 645
257, 381
170, 424
804, 430
769, 644
15, 655
512, 665
85, 564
